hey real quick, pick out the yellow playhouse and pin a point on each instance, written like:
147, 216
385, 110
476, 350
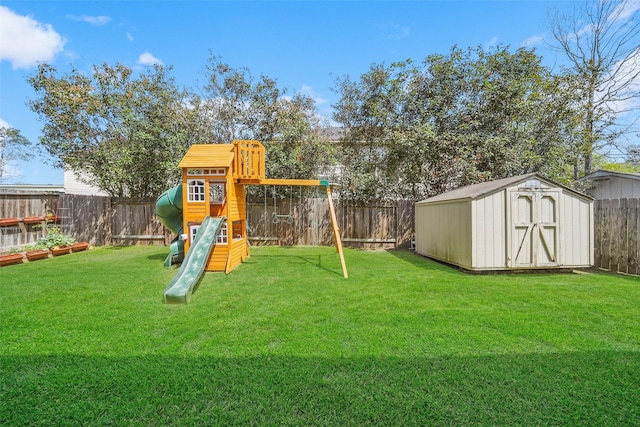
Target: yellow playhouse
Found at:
208, 210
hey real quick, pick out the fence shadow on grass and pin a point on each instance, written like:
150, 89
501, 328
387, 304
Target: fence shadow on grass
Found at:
596, 388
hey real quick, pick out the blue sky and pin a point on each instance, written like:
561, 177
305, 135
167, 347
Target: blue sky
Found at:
304, 45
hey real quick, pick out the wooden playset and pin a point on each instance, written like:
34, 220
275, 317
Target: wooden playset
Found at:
214, 180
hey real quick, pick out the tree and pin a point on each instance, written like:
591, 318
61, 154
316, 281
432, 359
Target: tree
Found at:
633, 157
602, 43
127, 132
414, 131
236, 106
13, 146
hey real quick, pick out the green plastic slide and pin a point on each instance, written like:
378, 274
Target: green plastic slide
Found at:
169, 211
180, 288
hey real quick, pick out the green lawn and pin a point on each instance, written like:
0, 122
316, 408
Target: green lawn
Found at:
286, 340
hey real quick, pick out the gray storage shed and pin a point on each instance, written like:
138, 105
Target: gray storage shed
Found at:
522, 222
612, 185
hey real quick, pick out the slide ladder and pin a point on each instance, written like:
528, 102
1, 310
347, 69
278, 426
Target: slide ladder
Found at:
180, 288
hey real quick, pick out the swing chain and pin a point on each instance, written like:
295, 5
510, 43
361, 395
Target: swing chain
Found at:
288, 217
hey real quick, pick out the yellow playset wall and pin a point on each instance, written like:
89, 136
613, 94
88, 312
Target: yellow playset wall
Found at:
234, 209
218, 258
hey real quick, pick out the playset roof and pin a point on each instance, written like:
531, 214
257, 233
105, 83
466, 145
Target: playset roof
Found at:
208, 155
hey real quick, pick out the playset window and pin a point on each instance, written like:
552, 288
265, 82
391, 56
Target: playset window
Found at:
207, 172
236, 229
195, 190
223, 235
193, 230
221, 239
216, 193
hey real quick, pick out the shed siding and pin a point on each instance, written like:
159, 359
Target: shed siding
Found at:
443, 231
576, 232
616, 187
487, 226
489, 220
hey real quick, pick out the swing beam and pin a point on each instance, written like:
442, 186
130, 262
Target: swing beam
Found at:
292, 182
309, 183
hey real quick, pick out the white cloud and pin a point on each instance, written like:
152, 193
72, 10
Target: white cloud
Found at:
148, 59
394, 31
625, 10
323, 105
10, 168
93, 20
493, 42
627, 76
308, 90
533, 41
24, 41
130, 37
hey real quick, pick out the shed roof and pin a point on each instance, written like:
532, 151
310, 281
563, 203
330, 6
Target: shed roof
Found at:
475, 191
208, 155
605, 174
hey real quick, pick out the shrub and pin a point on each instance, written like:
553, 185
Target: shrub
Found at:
55, 237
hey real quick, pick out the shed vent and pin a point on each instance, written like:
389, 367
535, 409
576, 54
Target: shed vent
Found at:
533, 184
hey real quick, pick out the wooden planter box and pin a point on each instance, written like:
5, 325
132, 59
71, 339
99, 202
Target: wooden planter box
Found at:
10, 259
32, 219
8, 222
61, 250
79, 246
37, 254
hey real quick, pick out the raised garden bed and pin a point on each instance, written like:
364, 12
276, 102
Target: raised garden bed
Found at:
60, 250
32, 219
10, 259
37, 254
79, 246
8, 222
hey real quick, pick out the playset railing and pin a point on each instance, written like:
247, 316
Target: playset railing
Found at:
249, 160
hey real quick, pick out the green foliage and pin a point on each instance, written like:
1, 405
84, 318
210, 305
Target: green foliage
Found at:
13, 146
127, 131
633, 158
472, 115
286, 340
238, 107
54, 237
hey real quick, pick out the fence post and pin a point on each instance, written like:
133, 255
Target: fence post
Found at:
623, 236
632, 236
108, 222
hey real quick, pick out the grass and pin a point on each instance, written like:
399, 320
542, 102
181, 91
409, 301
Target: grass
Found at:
286, 340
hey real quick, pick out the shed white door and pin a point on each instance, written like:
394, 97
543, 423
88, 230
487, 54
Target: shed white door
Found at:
534, 229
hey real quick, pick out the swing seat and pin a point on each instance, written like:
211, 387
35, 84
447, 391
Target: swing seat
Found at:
276, 218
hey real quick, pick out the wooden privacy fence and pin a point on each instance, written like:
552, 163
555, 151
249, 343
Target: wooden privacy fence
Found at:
120, 221
617, 225
114, 220
307, 222
25, 205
